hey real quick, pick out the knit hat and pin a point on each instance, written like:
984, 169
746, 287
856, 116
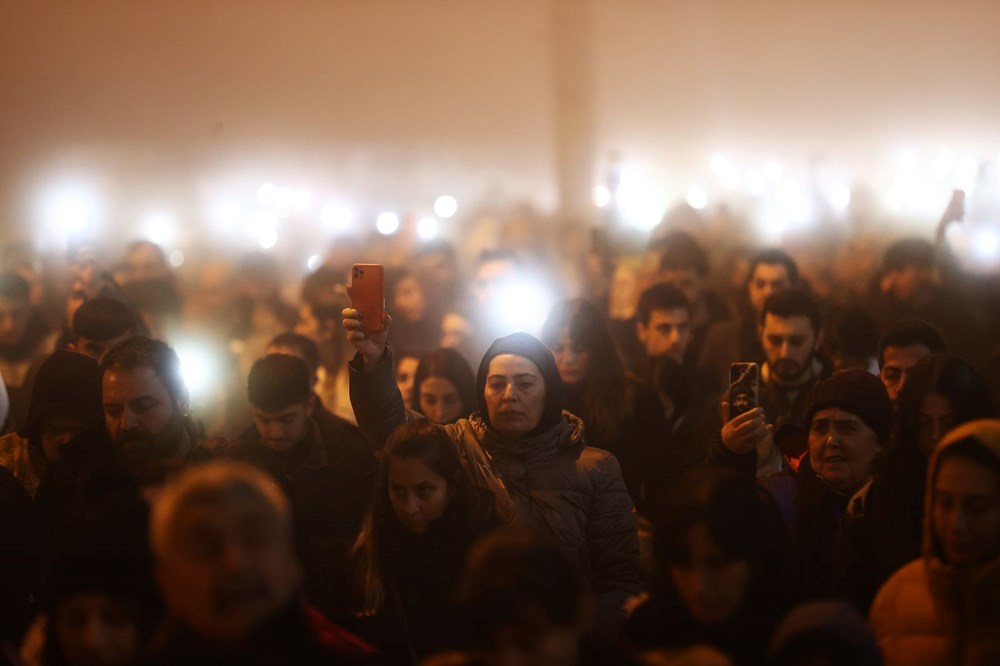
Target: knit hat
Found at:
858, 392
533, 349
67, 383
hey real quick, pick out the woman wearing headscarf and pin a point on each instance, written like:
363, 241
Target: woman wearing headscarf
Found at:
523, 447
944, 608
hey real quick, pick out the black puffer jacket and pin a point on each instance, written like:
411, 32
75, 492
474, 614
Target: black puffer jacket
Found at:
548, 481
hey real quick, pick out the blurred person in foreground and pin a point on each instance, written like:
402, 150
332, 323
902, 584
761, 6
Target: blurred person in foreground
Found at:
944, 608
324, 467
722, 557
848, 418
221, 535
828, 633
738, 340
530, 605
98, 611
901, 347
425, 516
524, 448
886, 517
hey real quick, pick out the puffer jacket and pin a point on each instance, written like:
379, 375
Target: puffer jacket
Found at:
930, 612
551, 483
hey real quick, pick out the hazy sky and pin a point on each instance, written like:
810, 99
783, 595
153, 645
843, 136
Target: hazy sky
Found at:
391, 102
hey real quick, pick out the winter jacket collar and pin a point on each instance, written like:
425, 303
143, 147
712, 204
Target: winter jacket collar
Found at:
532, 450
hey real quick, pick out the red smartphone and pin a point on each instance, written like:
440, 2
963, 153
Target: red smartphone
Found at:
744, 380
367, 294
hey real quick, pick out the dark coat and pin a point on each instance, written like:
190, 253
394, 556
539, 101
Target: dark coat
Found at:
420, 572
329, 487
551, 483
812, 512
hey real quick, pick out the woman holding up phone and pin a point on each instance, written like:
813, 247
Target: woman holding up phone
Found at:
523, 447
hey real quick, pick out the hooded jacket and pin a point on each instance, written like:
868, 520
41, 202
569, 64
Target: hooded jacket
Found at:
547, 480
930, 612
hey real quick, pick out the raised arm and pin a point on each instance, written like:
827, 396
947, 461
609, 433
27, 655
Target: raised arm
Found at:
378, 405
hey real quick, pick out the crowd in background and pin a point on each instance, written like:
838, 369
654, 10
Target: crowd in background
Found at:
443, 487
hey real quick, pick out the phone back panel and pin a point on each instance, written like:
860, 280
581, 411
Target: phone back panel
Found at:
367, 294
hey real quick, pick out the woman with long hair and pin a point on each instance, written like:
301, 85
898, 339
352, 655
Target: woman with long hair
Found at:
444, 389
620, 414
884, 529
425, 516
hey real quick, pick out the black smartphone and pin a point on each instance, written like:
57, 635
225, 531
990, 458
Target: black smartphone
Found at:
744, 380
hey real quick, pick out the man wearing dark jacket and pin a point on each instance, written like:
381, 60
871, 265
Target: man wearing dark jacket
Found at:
323, 464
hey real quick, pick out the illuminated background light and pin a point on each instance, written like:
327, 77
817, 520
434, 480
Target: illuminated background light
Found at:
387, 223
755, 182
314, 262
601, 196
520, 304
697, 198
724, 171
445, 206
267, 194
176, 258
427, 228
773, 172
335, 218
160, 227
640, 204
267, 238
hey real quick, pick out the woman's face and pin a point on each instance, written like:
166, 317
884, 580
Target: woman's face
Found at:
96, 630
712, 585
841, 449
935, 417
408, 301
515, 395
406, 371
965, 512
439, 400
572, 359
418, 494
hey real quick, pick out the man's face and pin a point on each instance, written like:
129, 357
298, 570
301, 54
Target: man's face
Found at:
686, 280
789, 343
766, 279
228, 566
14, 318
138, 409
515, 395
668, 333
841, 449
96, 349
282, 429
896, 364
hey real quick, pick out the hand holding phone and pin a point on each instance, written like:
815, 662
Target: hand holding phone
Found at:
744, 382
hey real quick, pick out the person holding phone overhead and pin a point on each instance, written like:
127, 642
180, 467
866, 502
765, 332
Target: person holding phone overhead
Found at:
523, 447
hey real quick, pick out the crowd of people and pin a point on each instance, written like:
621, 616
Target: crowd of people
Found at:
441, 488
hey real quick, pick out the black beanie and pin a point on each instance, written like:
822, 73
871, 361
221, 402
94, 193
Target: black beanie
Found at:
858, 392
67, 383
533, 349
